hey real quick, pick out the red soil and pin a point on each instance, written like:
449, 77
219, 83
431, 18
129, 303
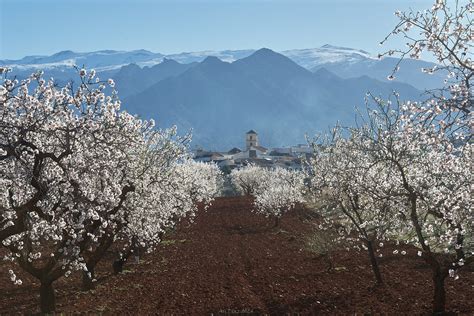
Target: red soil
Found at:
233, 262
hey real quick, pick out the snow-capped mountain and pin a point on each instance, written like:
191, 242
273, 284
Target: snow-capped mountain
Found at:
99, 60
225, 55
220, 97
111, 59
327, 54
266, 91
344, 62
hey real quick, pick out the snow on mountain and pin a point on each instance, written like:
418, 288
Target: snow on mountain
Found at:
110, 59
266, 91
327, 54
99, 60
344, 62
226, 55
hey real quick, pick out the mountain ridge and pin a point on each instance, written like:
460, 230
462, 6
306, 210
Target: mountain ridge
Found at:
343, 61
265, 91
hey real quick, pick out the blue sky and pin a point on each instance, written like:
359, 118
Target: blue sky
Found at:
44, 27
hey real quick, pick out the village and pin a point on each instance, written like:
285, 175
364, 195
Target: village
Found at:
256, 154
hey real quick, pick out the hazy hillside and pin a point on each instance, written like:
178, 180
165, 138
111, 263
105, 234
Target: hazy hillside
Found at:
132, 79
265, 91
410, 71
281, 98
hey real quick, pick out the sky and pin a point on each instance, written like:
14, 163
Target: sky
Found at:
45, 27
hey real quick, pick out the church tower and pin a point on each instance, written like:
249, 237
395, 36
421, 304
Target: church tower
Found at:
251, 139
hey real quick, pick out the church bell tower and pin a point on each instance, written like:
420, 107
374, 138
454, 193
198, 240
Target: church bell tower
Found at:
251, 139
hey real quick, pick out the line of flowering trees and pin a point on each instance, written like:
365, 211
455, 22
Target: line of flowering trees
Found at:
405, 173
275, 191
77, 175
396, 179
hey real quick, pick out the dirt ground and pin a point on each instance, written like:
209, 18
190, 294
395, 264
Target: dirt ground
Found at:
231, 261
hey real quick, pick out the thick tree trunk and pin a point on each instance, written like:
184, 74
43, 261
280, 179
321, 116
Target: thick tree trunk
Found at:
47, 298
87, 283
439, 302
374, 263
118, 265
439, 274
93, 260
133, 248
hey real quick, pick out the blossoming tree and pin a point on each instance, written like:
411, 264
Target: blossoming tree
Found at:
180, 189
434, 162
422, 152
274, 190
347, 183
443, 32
76, 173
431, 186
248, 179
279, 192
400, 178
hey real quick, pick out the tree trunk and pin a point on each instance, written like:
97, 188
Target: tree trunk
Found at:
136, 253
374, 263
118, 265
439, 303
93, 260
87, 283
328, 259
277, 221
47, 298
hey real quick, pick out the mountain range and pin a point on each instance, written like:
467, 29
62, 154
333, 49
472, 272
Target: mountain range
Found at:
265, 91
221, 95
343, 61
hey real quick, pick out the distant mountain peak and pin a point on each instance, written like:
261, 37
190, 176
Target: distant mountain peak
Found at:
343, 61
105, 51
169, 61
212, 60
265, 50
63, 53
131, 66
266, 92
143, 51
266, 55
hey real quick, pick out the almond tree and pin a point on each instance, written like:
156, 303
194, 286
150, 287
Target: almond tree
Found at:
144, 214
279, 191
403, 176
204, 181
435, 162
247, 180
183, 186
60, 157
445, 32
76, 173
346, 181
274, 190
429, 178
